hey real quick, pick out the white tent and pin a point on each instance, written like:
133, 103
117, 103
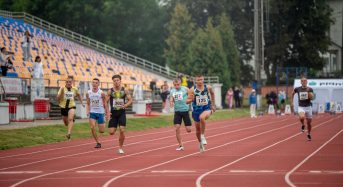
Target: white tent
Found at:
325, 91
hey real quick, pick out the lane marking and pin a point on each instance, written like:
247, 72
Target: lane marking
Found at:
252, 171
287, 179
103, 149
198, 181
166, 162
90, 171
20, 172
142, 152
129, 137
173, 171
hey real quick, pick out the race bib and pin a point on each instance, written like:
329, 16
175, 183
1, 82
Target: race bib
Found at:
118, 103
95, 103
69, 95
201, 100
303, 95
178, 96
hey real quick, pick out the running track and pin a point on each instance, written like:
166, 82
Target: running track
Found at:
268, 151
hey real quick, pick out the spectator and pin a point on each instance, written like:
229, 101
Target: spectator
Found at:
164, 95
236, 97
5, 62
229, 98
26, 45
190, 82
252, 102
153, 88
37, 72
184, 81
273, 98
241, 96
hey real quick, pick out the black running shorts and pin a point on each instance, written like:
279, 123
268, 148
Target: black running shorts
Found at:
64, 111
118, 117
179, 116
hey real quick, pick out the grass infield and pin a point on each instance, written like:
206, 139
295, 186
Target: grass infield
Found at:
26, 137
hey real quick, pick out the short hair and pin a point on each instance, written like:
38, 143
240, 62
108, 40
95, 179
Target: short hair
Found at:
116, 76
199, 75
70, 77
177, 80
37, 57
96, 79
3, 48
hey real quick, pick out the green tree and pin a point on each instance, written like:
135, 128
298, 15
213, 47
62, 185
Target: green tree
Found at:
207, 56
181, 31
230, 49
297, 35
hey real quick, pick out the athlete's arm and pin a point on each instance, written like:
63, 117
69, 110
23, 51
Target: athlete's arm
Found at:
293, 93
213, 104
60, 94
87, 104
103, 97
129, 99
171, 101
190, 97
107, 98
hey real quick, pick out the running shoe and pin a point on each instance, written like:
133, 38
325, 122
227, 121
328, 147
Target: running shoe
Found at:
201, 147
180, 148
120, 151
68, 136
203, 140
98, 145
302, 128
309, 138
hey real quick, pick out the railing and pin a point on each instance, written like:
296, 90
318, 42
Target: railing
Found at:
38, 22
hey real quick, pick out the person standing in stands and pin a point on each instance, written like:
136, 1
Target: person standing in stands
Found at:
66, 99
38, 74
120, 98
5, 62
26, 46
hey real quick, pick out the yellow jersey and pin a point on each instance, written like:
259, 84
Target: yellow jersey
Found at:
68, 98
184, 81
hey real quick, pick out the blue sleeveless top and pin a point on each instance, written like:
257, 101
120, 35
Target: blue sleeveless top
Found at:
201, 101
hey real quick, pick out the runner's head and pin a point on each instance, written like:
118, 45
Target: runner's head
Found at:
95, 83
69, 81
116, 81
176, 83
303, 81
199, 80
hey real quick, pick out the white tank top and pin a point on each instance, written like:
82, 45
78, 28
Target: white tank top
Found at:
96, 104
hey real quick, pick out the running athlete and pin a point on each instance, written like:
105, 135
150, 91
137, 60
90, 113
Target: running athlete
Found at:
120, 99
96, 108
305, 95
65, 98
202, 98
178, 101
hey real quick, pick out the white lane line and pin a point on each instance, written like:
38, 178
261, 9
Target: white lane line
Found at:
20, 172
315, 171
324, 172
173, 171
198, 181
103, 149
142, 152
90, 171
129, 137
287, 179
166, 162
252, 171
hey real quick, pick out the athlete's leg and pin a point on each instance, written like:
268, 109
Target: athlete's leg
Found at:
93, 131
197, 130
203, 117
178, 132
65, 120
121, 136
71, 114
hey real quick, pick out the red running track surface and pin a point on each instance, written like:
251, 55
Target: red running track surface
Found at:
267, 151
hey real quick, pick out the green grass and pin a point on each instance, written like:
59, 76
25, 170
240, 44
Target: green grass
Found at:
16, 138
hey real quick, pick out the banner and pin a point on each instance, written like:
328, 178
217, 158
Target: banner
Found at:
12, 85
37, 89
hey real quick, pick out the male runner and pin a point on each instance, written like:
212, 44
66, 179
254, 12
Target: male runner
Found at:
178, 98
202, 98
96, 108
65, 98
305, 95
120, 99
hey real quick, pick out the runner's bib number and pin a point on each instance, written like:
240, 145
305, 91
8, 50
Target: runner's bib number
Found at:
95, 103
69, 95
118, 103
178, 96
201, 100
303, 95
